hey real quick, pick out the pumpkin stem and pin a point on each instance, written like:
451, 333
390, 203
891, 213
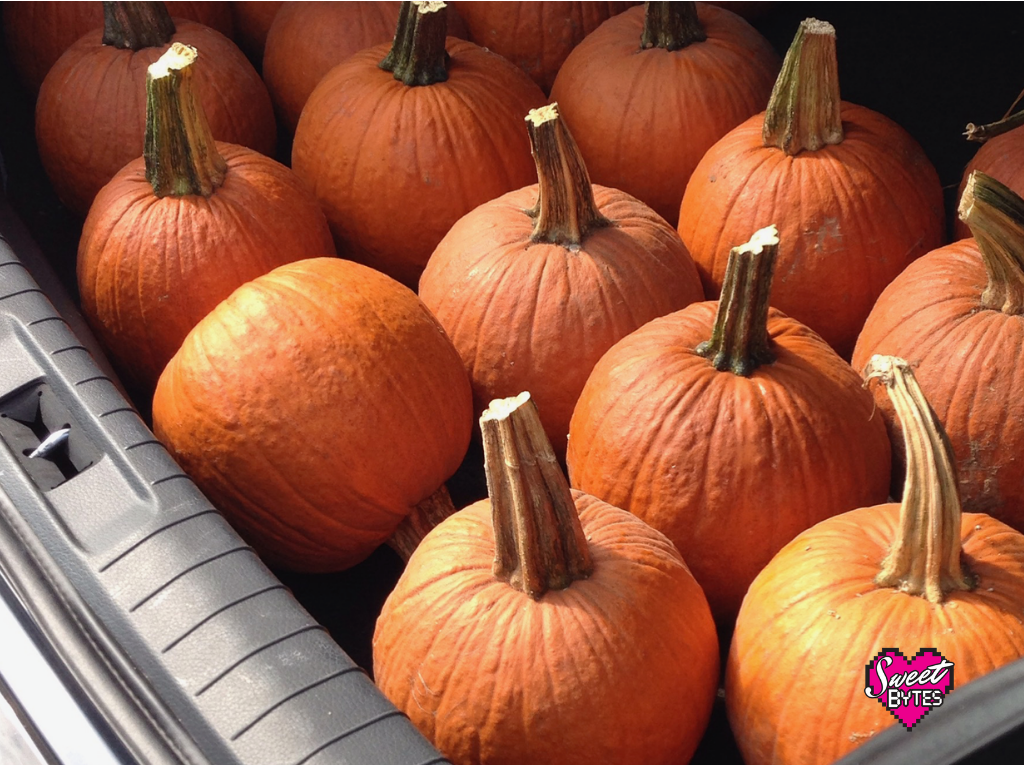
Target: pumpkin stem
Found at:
425, 517
671, 25
739, 338
418, 56
136, 25
565, 211
803, 111
539, 542
995, 214
982, 133
925, 557
181, 155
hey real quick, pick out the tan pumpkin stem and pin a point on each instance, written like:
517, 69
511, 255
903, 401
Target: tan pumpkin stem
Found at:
418, 55
181, 155
539, 542
136, 25
982, 133
925, 557
565, 211
739, 338
425, 517
803, 111
995, 214
671, 25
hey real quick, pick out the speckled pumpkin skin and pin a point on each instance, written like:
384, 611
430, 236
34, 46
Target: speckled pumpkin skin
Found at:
619, 668
812, 620
851, 217
964, 358
729, 468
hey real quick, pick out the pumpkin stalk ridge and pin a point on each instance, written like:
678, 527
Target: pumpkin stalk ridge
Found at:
539, 544
925, 557
180, 153
671, 25
804, 109
136, 26
418, 55
739, 337
565, 211
425, 517
995, 215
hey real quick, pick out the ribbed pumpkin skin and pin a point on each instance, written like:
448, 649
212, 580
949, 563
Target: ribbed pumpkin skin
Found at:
536, 316
395, 167
1003, 159
679, 103
965, 359
813, 619
315, 407
38, 33
851, 217
535, 36
729, 468
619, 668
151, 268
91, 112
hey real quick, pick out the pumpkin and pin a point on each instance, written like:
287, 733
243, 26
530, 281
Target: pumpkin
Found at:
542, 625
957, 315
856, 198
535, 286
37, 33
916, 575
536, 36
316, 406
307, 40
91, 112
399, 143
730, 428
176, 231
252, 25
690, 73
1001, 156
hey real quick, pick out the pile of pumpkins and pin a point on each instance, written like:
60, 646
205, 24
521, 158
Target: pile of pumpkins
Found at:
740, 346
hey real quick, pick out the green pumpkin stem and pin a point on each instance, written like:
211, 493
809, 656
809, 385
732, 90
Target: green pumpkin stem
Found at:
136, 25
539, 544
995, 214
925, 557
739, 337
425, 517
671, 25
565, 211
181, 155
804, 108
418, 55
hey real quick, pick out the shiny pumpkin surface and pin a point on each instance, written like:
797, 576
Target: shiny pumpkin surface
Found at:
965, 360
91, 112
1001, 158
621, 667
851, 217
316, 406
814, 618
395, 167
644, 118
729, 468
149, 268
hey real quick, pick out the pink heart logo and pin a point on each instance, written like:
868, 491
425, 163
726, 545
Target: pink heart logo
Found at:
909, 689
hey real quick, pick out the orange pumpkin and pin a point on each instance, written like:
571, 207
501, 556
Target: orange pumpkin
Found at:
1001, 156
690, 73
855, 196
535, 286
911, 576
397, 155
253, 20
37, 33
316, 406
536, 36
957, 315
176, 231
91, 112
545, 626
730, 428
